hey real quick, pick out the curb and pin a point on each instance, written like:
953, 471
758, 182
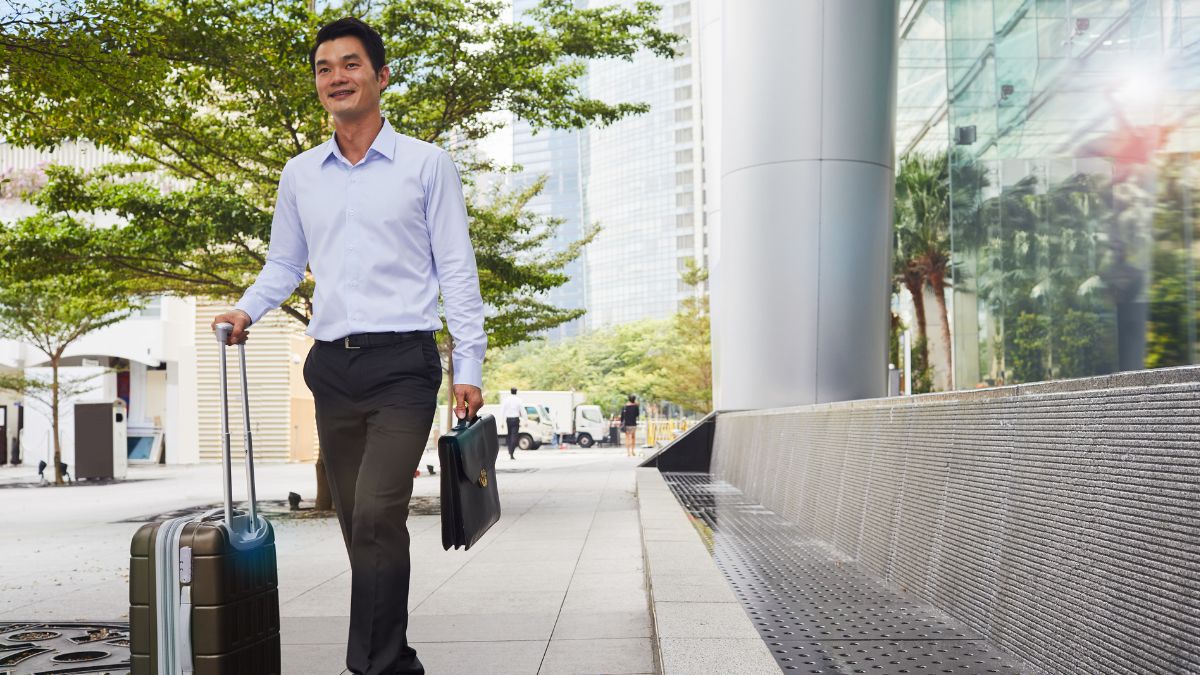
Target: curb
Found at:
699, 625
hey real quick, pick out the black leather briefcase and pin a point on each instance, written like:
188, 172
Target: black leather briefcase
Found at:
470, 501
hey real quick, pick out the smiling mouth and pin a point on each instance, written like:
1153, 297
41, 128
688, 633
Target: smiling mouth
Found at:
341, 94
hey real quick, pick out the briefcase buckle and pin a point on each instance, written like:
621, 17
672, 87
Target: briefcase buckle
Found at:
482, 478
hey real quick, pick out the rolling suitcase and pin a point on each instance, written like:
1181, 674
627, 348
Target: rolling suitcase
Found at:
203, 590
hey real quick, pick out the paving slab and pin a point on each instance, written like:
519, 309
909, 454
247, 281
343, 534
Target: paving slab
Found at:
744, 656
702, 620
561, 574
473, 658
609, 656
575, 625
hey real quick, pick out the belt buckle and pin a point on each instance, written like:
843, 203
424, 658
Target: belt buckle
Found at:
346, 342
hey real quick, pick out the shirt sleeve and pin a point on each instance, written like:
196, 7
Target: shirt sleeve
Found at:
287, 255
454, 265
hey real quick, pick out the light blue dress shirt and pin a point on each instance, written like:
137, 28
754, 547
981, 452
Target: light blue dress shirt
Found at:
381, 237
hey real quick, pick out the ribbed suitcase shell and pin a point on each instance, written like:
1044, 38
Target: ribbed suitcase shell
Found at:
235, 603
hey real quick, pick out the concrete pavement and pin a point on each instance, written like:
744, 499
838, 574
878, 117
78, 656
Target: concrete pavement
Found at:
558, 586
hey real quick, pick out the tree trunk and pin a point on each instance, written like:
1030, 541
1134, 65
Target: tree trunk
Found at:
58, 475
939, 292
916, 288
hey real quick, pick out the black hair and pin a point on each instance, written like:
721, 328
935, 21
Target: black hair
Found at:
632, 398
513, 390
351, 27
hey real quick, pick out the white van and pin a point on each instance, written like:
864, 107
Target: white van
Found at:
536, 427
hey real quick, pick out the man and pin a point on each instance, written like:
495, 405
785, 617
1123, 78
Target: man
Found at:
380, 219
511, 410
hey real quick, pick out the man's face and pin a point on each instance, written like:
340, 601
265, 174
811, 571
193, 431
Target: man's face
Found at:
346, 83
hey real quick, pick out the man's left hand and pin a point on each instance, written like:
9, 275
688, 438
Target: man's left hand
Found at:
468, 399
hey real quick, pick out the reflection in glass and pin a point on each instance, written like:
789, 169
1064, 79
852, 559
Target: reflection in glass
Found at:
1072, 175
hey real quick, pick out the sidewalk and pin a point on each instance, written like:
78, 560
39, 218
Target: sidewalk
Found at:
558, 586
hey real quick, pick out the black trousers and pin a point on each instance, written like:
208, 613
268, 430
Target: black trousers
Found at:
514, 425
375, 407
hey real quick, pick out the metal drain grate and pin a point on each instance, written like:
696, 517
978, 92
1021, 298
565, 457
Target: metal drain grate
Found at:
64, 647
818, 612
890, 656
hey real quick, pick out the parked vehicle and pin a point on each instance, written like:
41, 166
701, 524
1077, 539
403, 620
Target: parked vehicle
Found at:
575, 421
590, 427
536, 427
561, 405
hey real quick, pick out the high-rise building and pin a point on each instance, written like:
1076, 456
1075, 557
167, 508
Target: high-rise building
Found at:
644, 180
638, 179
555, 155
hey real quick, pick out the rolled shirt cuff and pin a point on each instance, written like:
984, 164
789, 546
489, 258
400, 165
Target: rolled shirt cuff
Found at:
468, 371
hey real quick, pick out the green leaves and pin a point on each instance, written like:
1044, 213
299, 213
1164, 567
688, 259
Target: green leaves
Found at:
214, 97
668, 360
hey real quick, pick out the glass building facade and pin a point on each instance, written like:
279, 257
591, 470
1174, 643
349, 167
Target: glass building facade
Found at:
643, 183
639, 179
1072, 136
556, 155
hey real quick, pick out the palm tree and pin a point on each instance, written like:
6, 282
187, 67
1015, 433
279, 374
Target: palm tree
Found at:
923, 237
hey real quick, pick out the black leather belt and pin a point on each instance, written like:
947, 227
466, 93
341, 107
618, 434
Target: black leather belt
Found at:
360, 340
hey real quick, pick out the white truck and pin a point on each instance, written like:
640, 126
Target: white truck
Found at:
536, 427
575, 421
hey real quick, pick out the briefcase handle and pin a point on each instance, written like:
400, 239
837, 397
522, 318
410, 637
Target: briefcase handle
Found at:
463, 423
223, 331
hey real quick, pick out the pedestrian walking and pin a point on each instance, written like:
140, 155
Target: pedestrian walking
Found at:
511, 410
629, 422
380, 219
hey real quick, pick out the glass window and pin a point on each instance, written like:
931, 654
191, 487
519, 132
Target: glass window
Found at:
1071, 178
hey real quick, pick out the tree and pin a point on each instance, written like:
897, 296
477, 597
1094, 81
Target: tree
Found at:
1170, 333
686, 365
1040, 249
71, 67
606, 365
51, 313
516, 266
923, 238
234, 101
661, 361
219, 96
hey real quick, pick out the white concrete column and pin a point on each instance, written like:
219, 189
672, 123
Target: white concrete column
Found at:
708, 38
137, 394
181, 430
800, 283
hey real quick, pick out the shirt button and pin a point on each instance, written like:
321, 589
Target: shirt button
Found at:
350, 212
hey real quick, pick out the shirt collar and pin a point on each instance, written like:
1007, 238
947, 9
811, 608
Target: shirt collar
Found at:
384, 144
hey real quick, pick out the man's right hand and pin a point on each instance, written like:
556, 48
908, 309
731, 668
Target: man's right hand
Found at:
240, 321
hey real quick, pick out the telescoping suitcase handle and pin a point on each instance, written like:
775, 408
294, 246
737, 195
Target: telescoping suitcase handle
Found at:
245, 536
